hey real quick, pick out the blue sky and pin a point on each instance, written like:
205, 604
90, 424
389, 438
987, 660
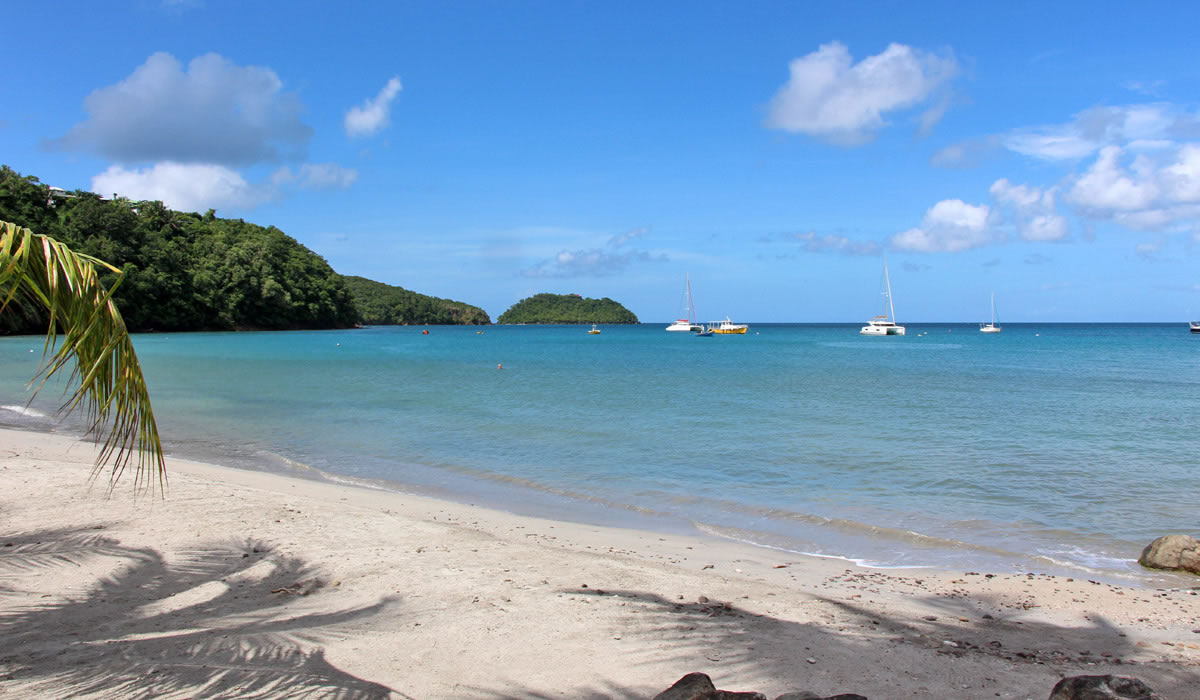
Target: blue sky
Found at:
773, 151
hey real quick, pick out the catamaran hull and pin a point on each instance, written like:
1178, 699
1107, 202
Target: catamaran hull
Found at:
882, 330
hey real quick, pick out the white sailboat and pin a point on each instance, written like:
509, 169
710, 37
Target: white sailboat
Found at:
689, 310
990, 327
884, 323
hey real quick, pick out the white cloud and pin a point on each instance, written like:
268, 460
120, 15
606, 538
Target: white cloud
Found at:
833, 243
1148, 126
587, 263
183, 186
1155, 191
200, 186
1044, 227
1051, 145
829, 96
621, 239
613, 258
1145, 220
1181, 179
212, 112
1035, 210
1145, 175
321, 176
950, 226
1108, 188
374, 113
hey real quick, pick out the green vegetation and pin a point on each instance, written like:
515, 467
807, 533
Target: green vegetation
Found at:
383, 304
188, 271
85, 332
566, 308
183, 271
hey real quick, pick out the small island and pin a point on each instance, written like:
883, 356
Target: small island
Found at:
566, 308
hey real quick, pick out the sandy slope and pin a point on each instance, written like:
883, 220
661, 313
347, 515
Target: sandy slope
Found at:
244, 584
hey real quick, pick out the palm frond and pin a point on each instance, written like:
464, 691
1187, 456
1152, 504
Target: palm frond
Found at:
87, 334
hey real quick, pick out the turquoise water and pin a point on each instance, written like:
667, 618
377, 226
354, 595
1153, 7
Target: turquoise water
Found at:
1047, 447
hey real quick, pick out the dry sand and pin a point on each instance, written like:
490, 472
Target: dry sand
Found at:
247, 584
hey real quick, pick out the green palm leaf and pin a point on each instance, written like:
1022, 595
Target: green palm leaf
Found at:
87, 334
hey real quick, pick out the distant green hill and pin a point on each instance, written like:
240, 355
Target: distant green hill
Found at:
383, 304
566, 308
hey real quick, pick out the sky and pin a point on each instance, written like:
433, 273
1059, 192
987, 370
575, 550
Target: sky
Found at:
777, 153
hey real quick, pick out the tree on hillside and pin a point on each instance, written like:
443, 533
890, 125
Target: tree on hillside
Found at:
87, 334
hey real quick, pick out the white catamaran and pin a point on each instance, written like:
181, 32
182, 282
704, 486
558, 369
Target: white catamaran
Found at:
884, 323
990, 327
689, 310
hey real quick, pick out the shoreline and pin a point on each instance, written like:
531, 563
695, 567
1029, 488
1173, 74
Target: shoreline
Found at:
529, 499
443, 422
523, 497
382, 594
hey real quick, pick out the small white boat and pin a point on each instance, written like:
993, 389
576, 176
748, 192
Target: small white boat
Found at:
990, 327
884, 323
1195, 326
594, 331
689, 310
728, 327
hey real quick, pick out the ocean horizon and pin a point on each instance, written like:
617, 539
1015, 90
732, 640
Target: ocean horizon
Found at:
1052, 447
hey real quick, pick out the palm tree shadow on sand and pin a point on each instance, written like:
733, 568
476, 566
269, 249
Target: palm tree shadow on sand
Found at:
727, 642
221, 621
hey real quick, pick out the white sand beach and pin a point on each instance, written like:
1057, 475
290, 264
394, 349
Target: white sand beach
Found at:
250, 584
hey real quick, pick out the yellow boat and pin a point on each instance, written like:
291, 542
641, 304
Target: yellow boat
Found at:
728, 327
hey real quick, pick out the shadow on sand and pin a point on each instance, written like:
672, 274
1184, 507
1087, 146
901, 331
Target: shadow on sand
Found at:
225, 620
730, 643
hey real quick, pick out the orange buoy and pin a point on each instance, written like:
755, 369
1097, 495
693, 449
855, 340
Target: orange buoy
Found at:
424, 332
497, 366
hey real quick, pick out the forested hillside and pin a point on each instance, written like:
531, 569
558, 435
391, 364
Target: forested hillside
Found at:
566, 308
183, 271
187, 271
381, 304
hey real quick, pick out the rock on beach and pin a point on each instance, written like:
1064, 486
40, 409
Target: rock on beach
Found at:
1172, 552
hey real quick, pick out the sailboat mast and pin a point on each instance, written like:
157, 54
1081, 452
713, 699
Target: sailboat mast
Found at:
888, 283
993, 308
690, 301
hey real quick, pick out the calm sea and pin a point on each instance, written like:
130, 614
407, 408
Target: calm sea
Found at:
1062, 448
